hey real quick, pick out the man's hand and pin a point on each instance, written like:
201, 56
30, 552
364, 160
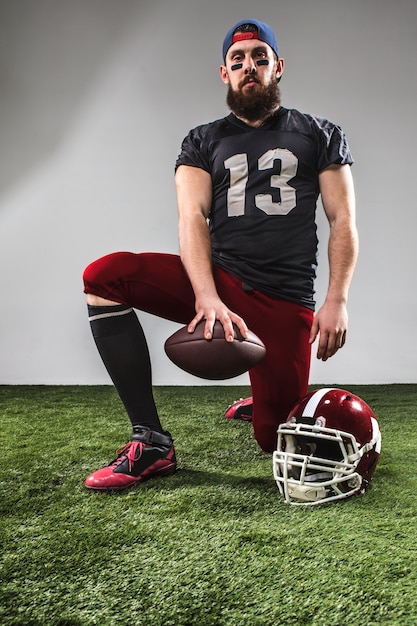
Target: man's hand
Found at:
212, 309
330, 323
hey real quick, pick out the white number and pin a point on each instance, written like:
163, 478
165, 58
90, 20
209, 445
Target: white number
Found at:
289, 164
239, 170
238, 166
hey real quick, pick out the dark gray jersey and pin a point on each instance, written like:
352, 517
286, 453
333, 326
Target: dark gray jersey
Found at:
265, 191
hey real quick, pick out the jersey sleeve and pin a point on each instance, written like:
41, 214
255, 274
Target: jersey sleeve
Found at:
194, 150
333, 145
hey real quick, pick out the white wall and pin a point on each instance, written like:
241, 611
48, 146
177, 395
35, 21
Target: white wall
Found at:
96, 97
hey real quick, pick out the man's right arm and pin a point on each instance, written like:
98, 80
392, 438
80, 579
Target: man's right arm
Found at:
194, 196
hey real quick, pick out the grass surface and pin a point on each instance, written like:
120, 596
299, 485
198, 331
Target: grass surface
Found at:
215, 544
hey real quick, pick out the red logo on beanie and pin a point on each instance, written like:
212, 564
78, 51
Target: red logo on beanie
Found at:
241, 36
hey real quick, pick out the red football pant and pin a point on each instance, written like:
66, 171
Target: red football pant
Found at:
158, 284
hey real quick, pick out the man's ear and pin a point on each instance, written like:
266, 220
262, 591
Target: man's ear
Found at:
280, 65
224, 75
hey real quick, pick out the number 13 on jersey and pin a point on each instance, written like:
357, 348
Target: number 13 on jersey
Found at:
239, 172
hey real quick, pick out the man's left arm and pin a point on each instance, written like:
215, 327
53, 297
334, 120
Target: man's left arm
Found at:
338, 198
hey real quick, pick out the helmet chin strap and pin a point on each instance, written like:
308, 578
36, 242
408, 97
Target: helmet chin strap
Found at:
298, 494
306, 493
310, 493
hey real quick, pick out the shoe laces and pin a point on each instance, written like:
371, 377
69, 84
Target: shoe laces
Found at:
132, 451
235, 402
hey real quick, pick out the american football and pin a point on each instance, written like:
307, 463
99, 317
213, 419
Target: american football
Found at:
214, 359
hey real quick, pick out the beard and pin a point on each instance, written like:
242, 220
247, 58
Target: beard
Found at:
258, 104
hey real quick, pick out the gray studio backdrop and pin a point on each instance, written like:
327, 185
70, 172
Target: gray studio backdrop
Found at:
96, 97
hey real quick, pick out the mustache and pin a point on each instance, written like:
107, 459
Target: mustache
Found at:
249, 78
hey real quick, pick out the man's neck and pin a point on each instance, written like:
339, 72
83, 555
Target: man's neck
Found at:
256, 123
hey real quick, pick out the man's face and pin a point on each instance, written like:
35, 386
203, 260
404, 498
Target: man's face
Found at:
251, 72
250, 63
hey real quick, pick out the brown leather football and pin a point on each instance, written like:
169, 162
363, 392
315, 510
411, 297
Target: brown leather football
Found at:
216, 358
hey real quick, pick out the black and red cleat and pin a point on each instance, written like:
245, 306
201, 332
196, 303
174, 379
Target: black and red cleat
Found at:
148, 455
240, 410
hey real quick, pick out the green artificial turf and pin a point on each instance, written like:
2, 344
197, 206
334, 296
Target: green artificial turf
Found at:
215, 544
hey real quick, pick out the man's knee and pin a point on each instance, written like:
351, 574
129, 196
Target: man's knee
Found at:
97, 276
266, 436
93, 300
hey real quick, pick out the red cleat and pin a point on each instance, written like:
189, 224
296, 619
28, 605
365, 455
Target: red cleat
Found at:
136, 462
240, 410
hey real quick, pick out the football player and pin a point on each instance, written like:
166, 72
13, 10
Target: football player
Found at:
247, 189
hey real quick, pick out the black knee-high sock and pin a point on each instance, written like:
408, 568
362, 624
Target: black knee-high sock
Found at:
122, 346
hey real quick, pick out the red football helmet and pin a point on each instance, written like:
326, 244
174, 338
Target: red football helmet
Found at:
327, 449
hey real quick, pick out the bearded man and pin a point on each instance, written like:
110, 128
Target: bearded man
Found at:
247, 190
